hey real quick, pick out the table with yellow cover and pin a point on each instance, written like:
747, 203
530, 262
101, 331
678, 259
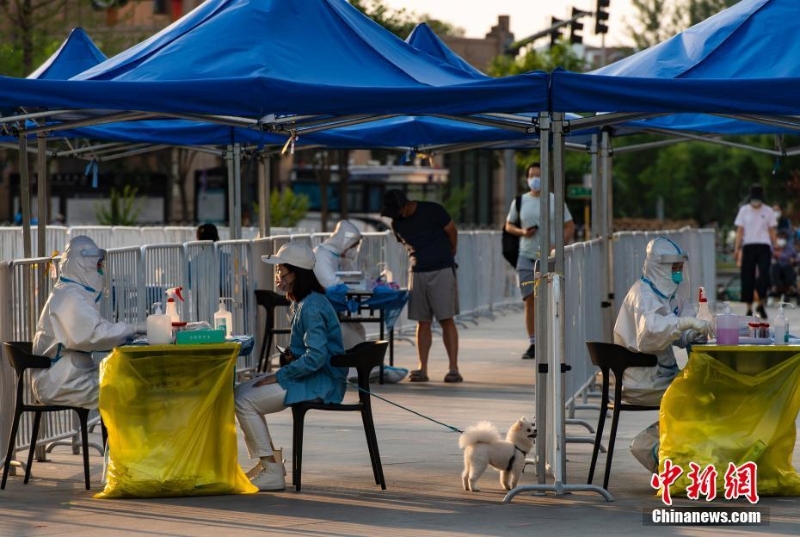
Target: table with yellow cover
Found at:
169, 412
734, 404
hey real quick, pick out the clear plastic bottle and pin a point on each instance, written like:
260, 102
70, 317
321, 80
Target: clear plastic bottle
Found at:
223, 319
159, 327
782, 325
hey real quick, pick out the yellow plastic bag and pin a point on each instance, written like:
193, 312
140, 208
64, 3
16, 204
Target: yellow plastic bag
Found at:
170, 418
713, 415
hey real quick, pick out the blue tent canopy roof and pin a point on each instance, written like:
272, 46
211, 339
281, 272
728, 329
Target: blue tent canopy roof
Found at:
742, 60
256, 58
424, 39
76, 54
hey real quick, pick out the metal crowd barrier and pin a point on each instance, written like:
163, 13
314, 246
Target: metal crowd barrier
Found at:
137, 276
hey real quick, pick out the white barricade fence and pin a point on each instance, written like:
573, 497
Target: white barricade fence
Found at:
138, 274
124, 286
235, 269
206, 269
163, 267
583, 316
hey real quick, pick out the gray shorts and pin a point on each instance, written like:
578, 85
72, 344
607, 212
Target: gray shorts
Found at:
525, 275
433, 294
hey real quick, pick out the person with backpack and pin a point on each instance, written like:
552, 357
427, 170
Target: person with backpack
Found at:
523, 221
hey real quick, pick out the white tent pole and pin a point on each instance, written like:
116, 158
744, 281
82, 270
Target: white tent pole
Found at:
41, 193
264, 190
540, 303
557, 338
597, 192
25, 194
237, 191
231, 180
607, 221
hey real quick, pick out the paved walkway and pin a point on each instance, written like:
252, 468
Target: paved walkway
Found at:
422, 464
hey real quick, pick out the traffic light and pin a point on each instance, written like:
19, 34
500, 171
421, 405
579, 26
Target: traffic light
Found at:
575, 27
555, 33
601, 17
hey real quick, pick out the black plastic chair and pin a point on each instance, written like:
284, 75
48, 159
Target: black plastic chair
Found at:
364, 357
614, 358
269, 300
20, 355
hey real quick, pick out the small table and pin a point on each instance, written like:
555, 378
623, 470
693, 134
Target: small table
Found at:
361, 306
170, 418
735, 404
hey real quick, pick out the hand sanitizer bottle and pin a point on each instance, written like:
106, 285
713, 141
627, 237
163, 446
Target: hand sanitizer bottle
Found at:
702, 311
782, 325
223, 319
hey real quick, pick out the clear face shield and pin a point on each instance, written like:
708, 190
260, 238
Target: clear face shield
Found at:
100, 255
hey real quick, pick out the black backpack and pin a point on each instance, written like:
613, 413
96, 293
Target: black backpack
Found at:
511, 242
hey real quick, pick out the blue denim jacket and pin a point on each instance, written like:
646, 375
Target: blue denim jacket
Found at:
316, 336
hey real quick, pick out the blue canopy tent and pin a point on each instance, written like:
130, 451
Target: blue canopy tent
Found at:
76, 54
272, 65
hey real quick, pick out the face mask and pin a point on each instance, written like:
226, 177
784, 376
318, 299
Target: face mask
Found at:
781, 243
755, 204
677, 277
100, 265
777, 214
535, 183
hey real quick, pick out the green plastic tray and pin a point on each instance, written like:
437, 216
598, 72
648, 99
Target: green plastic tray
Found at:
194, 337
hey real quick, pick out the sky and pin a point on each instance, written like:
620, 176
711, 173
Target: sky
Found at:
527, 16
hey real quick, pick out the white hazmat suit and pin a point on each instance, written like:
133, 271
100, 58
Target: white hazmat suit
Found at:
70, 328
652, 319
337, 254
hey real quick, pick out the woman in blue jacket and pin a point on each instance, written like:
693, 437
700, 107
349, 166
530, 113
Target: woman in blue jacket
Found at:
308, 376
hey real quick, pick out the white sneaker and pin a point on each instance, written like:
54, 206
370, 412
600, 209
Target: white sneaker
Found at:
270, 477
254, 471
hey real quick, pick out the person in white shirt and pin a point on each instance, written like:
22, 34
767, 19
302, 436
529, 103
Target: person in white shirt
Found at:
755, 239
529, 245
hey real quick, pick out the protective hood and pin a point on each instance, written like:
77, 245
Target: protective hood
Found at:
345, 235
79, 263
661, 254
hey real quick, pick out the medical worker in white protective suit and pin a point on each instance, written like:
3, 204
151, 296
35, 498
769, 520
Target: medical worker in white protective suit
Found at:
70, 328
338, 253
653, 318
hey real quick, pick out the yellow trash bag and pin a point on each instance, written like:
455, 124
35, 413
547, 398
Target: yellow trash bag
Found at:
713, 415
170, 417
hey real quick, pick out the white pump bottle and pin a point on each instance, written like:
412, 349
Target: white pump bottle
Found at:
223, 319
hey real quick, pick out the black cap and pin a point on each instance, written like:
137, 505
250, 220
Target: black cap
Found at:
393, 203
757, 193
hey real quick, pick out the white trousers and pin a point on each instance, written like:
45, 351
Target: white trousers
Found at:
251, 404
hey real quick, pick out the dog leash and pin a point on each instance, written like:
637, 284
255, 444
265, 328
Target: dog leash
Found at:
373, 394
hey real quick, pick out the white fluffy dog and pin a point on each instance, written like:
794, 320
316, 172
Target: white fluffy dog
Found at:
483, 446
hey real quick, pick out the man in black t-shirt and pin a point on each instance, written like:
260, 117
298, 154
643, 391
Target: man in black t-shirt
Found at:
431, 238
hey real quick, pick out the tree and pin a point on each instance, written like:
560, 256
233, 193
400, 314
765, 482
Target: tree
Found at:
401, 21
561, 54
123, 210
658, 20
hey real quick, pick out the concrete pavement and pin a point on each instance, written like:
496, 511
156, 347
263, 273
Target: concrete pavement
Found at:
422, 464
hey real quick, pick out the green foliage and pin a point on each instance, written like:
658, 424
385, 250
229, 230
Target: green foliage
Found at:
560, 55
401, 21
287, 208
455, 197
658, 20
123, 210
698, 180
